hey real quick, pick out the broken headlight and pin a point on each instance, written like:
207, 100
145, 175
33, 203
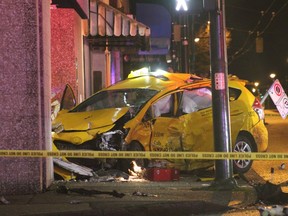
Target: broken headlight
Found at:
57, 127
112, 141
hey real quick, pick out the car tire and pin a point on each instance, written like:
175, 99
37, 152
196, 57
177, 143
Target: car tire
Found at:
126, 164
243, 144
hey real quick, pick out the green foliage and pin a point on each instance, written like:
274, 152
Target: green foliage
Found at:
202, 50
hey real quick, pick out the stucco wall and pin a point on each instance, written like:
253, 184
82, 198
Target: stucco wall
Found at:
66, 52
24, 93
63, 57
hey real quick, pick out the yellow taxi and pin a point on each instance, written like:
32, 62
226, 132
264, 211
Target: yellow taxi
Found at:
156, 111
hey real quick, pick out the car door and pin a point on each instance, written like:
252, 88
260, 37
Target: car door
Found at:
185, 126
195, 114
68, 100
165, 125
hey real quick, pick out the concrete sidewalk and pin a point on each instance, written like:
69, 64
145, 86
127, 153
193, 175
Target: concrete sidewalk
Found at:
186, 196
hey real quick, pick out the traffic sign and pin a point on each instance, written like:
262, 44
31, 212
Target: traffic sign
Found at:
279, 98
276, 91
282, 106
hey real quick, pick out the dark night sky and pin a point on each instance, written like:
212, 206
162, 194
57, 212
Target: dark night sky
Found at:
244, 18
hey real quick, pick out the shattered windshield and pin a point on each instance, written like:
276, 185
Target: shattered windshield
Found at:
134, 98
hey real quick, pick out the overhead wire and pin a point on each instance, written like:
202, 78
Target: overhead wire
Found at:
273, 17
240, 51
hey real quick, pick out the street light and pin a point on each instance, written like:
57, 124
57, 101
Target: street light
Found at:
272, 75
256, 90
181, 5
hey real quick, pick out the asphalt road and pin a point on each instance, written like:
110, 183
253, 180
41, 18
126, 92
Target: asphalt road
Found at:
274, 171
278, 143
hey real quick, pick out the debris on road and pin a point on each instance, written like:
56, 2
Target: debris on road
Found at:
272, 174
282, 166
275, 210
138, 193
65, 190
4, 201
109, 175
270, 193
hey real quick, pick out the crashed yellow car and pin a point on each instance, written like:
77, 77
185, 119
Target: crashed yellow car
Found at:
156, 111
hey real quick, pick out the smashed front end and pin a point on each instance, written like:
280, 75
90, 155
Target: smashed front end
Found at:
98, 124
90, 137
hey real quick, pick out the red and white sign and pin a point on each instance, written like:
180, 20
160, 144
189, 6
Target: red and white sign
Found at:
219, 81
279, 98
276, 91
282, 107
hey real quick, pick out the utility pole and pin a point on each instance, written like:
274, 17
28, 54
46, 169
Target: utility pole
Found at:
185, 44
107, 66
219, 77
193, 48
220, 101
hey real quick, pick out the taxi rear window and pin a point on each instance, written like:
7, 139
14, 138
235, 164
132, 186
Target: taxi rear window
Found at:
234, 93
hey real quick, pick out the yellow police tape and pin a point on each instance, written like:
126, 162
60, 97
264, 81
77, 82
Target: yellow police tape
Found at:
147, 155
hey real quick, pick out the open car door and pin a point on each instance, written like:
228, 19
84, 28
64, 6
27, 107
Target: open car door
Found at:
68, 100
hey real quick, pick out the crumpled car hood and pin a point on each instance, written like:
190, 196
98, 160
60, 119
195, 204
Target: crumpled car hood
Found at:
77, 121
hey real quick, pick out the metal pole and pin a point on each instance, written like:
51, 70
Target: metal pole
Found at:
108, 66
264, 98
220, 102
193, 47
185, 44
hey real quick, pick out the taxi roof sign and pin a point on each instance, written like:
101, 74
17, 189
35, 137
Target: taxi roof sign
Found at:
165, 75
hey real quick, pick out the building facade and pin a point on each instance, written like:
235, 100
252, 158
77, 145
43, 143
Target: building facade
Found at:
44, 46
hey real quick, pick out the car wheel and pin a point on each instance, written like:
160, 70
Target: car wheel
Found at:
126, 164
245, 145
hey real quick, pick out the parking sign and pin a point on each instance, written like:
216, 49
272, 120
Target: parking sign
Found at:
279, 98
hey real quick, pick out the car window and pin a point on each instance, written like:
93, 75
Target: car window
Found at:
196, 99
134, 98
163, 107
234, 94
